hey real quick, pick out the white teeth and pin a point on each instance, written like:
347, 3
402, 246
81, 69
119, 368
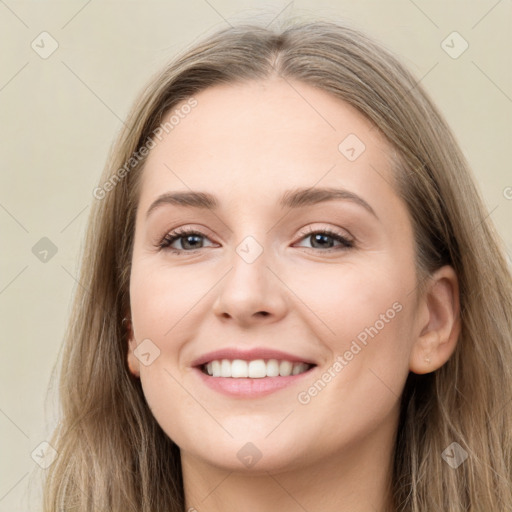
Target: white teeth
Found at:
273, 368
239, 369
256, 369
225, 368
215, 367
299, 368
285, 368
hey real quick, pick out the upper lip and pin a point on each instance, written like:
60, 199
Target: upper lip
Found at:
249, 355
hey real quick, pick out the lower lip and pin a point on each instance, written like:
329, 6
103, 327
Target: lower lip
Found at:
249, 388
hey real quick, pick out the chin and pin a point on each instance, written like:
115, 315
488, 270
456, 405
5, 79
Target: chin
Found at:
248, 454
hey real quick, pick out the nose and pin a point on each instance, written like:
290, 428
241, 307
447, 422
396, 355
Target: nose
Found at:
250, 293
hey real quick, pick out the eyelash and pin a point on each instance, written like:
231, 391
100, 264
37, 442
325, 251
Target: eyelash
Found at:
171, 237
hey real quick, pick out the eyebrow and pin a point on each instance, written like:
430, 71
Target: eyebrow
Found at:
290, 199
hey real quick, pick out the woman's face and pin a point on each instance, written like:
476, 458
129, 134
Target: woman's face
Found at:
302, 260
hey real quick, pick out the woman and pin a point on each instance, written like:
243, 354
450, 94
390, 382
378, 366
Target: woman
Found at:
293, 297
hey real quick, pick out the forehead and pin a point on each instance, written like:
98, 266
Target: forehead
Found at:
262, 137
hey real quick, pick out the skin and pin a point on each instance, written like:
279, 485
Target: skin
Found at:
247, 144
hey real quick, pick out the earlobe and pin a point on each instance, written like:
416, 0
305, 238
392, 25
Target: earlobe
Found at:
133, 362
438, 334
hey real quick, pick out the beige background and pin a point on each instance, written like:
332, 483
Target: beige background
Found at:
60, 114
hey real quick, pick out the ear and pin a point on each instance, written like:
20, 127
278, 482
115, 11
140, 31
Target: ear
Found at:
133, 362
439, 322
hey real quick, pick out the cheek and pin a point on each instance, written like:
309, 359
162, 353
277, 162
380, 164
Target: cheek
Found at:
365, 314
346, 299
161, 301
161, 297
361, 386
358, 392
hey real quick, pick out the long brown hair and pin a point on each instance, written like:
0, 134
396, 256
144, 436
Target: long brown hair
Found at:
111, 452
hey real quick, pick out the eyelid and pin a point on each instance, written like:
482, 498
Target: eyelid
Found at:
178, 233
309, 230
199, 228
345, 239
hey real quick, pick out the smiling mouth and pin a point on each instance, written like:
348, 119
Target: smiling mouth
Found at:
254, 369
